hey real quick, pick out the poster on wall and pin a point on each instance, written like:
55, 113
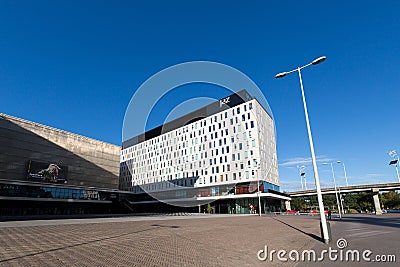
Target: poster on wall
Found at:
47, 172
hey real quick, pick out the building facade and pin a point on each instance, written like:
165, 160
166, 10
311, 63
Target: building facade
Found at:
225, 151
47, 171
27, 148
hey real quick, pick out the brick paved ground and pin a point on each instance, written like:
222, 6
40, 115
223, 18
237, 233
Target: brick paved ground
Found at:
154, 241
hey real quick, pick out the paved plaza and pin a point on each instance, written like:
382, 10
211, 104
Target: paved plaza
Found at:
188, 240
184, 240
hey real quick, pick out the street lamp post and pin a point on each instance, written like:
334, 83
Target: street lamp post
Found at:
393, 154
324, 224
258, 184
259, 197
344, 170
302, 173
336, 191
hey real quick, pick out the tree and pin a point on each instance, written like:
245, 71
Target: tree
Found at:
390, 200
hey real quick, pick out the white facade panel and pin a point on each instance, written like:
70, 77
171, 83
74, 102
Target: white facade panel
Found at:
232, 146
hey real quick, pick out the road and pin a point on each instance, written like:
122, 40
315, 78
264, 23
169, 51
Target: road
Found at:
379, 234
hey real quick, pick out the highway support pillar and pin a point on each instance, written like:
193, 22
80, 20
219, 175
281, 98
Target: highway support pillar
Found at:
377, 203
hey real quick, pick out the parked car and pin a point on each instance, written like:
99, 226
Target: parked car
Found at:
393, 211
316, 212
293, 212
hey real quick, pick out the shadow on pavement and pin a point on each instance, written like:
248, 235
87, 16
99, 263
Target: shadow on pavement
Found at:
384, 220
301, 231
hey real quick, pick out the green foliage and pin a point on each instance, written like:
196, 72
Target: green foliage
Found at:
390, 200
359, 201
352, 201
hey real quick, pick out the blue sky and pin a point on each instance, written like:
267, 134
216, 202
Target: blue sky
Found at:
75, 65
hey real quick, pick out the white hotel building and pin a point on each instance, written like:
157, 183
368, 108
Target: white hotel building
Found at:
220, 153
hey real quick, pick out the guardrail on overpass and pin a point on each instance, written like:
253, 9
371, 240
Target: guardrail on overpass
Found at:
347, 189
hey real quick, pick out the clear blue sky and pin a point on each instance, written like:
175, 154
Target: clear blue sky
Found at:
74, 65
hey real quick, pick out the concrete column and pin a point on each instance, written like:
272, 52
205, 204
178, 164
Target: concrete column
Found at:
377, 203
287, 204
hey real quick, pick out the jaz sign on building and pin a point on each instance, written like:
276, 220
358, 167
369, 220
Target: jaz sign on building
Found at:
225, 101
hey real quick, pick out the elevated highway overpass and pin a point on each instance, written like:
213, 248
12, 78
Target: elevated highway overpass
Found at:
348, 189
374, 188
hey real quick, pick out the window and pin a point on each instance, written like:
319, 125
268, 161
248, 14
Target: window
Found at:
238, 110
250, 105
247, 175
252, 124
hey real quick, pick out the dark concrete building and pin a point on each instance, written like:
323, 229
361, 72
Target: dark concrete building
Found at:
46, 171
27, 148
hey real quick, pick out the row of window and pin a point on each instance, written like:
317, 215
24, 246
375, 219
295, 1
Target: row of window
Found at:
203, 123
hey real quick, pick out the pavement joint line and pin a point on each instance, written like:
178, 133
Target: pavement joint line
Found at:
111, 220
77, 245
